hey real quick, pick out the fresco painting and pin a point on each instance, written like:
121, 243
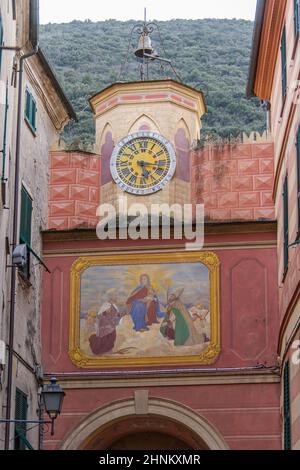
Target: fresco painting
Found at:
150, 310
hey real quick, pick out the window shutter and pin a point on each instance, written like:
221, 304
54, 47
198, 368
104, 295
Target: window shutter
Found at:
1, 40
26, 214
298, 175
285, 224
30, 110
28, 105
286, 407
33, 114
283, 63
296, 16
21, 407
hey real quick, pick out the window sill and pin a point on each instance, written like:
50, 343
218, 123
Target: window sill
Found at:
33, 130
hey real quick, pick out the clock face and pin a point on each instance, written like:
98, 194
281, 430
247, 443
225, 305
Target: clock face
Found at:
143, 163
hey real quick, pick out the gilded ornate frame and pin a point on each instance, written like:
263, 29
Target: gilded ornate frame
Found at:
208, 356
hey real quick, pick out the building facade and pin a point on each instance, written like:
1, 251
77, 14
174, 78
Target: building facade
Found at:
274, 77
158, 346
44, 112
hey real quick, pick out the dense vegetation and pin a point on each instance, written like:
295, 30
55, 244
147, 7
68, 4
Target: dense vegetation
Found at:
209, 54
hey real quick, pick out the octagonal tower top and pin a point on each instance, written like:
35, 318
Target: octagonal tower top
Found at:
159, 105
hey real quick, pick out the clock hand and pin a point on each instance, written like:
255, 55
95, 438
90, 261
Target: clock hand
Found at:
145, 172
146, 163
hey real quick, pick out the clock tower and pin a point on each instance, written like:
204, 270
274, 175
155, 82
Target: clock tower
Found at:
144, 133
157, 344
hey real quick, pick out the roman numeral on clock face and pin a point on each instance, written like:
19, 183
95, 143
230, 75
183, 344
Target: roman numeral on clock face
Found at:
126, 171
159, 153
132, 179
132, 147
144, 145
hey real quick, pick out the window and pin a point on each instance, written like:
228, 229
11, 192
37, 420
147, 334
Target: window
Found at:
20, 413
285, 225
298, 177
30, 111
283, 63
286, 406
1, 39
14, 9
25, 226
296, 16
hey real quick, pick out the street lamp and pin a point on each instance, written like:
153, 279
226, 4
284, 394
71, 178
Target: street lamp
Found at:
52, 398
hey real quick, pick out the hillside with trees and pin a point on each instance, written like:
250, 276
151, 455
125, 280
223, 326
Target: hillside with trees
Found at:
212, 55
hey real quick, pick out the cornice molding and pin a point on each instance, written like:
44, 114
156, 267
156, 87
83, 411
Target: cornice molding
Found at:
269, 45
46, 93
133, 93
89, 382
211, 228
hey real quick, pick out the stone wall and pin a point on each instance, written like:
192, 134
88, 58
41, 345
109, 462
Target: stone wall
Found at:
34, 171
9, 28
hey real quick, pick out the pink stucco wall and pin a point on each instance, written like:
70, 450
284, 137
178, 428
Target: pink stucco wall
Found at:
234, 182
73, 190
247, 414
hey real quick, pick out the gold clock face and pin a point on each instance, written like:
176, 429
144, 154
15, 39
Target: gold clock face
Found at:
143, 163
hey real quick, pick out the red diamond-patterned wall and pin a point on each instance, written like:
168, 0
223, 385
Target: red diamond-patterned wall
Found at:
234, 182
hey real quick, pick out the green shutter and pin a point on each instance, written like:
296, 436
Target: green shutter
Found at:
30, 110
1, 40
33, 114
21, 407
283, 63
286, 407
296, 16
26, 215
27, 105
285, 224
5, 134
298, 176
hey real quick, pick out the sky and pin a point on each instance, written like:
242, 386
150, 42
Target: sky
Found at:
64, 11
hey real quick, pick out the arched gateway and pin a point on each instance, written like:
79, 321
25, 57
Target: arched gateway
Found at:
163, 425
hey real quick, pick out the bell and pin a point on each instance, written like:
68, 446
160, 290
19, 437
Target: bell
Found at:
144, 46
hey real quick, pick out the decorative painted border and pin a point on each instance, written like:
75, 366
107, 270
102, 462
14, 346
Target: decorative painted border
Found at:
208, 356
146, 98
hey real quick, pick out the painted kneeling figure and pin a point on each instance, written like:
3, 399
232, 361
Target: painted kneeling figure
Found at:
108, 318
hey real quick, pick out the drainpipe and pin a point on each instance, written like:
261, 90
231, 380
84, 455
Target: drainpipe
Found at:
3, 151
14, 243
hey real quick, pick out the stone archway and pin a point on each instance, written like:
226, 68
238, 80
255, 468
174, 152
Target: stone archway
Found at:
149, 440
116, 424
